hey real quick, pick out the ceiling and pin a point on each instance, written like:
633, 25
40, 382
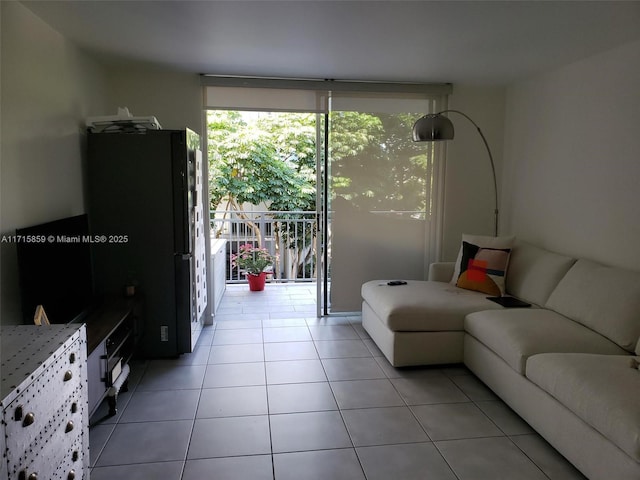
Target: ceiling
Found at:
475, 42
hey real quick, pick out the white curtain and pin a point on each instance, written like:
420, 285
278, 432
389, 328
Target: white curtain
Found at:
263, 99
384, 201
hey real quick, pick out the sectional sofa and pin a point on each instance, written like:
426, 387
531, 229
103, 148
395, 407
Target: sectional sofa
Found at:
568, 365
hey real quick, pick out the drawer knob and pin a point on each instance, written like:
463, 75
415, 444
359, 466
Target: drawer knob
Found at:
29, 418
68, 375
33, 476
19, 412
74, 407
72, 475
69, 427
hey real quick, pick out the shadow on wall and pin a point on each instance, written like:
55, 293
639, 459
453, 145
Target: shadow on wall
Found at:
367, 246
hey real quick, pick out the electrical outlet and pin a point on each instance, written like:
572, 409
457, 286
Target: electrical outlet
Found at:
164, 333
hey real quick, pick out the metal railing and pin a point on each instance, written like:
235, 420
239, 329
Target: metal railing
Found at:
290, 236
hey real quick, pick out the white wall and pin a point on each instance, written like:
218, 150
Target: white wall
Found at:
174, 98
469, 193
572, 153
48, 87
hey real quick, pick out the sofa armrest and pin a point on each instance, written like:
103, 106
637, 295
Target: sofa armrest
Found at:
441, 271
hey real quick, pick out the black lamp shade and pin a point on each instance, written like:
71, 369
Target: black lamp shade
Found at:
432, 127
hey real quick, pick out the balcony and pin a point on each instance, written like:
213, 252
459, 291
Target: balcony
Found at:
288, 235
278, 301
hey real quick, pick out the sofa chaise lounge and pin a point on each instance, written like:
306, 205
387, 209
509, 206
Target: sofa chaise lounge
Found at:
568, 365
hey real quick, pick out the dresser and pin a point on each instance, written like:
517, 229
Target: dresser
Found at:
45, 424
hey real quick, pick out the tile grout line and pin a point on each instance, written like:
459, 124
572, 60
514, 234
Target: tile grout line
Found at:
195, 413
266, 387
344, 423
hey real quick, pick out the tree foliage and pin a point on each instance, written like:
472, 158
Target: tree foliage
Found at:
270, 161
386, 171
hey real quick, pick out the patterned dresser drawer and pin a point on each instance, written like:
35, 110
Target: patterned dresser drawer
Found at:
45, 401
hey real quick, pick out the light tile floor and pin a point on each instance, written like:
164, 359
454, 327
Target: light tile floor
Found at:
273, 393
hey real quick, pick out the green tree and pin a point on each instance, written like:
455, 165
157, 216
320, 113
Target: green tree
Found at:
387, 171
269, 161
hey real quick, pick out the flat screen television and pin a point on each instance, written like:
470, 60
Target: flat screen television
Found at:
55, 269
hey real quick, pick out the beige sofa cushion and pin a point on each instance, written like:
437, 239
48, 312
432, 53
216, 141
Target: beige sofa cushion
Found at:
605, 299
441, 271
602, 390
516, 334
423, 306
534, 272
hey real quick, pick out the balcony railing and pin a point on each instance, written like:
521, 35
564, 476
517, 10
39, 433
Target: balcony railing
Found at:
288, 235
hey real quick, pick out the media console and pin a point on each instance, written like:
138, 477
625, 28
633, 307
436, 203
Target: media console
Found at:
113, 331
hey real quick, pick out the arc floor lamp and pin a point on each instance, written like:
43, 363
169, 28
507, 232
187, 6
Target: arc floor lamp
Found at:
435, 127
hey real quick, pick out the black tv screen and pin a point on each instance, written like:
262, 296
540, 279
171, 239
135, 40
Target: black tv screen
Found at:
55, 269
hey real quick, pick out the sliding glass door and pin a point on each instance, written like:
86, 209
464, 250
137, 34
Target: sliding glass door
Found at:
377, 192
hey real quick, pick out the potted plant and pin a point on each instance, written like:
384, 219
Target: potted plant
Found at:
255, 262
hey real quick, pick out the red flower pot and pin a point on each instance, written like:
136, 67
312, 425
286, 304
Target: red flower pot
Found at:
256, 282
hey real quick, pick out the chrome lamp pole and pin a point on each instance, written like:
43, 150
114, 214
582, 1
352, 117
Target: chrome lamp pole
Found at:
435, 127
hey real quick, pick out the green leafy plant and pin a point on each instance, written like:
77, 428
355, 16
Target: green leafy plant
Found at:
252, 260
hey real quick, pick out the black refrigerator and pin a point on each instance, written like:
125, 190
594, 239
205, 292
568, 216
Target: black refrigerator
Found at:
146, 216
